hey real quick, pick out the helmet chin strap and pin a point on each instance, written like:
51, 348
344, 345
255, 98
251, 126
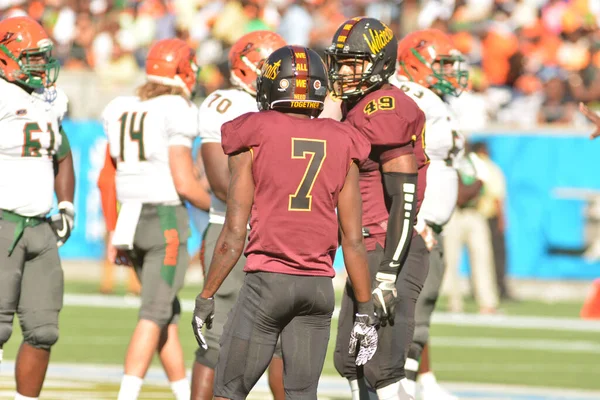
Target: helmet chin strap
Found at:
174, 82
237, 82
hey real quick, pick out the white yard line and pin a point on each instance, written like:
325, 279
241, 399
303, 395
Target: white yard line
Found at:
489, 321
328, 386
555, 346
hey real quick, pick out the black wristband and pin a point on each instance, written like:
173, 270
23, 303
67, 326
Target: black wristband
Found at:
365, 308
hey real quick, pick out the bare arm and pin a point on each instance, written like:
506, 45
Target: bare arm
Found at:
592, 117
64, 182
186, 184
355, 254
467, 193
231, 241
215, 165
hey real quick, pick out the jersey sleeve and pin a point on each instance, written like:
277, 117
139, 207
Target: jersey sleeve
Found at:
359, 145
390, 121
241, 133
61, 104
181, 123
210, 122
106, 118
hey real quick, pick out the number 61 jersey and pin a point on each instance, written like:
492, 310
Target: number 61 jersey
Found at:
29, 139
139, 135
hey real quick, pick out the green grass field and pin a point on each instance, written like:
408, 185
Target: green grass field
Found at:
509, 355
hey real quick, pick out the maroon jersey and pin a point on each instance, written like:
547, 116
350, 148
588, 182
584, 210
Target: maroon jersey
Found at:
299, 167
394, 125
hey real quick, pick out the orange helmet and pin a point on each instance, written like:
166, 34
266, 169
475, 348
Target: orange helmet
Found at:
26, 53
247, 56
172, 62
429, 58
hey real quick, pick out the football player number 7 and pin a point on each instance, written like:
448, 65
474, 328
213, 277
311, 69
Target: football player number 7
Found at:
316, 151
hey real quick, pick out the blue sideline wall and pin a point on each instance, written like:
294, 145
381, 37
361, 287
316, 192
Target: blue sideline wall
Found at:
535, 167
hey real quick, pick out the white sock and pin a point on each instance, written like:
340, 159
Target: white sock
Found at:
427, 378
410, 387
1, 353
181, 389
21, 397
130, 387
355, 389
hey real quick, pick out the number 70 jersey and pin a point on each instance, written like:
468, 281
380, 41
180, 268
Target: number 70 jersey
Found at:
219, 107
139, 136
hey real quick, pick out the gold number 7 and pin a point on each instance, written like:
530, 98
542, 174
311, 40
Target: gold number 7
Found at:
301, 148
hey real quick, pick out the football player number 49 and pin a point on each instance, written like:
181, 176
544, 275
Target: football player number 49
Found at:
302, 149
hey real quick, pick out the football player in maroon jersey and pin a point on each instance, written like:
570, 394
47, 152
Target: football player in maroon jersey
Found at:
289, 172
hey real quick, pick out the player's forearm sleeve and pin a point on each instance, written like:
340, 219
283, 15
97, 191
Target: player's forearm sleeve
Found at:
402, 189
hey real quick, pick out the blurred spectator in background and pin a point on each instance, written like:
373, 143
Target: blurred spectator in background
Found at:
469, 227
491, 205
532, 60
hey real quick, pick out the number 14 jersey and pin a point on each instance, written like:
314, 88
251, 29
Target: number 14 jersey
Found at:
299, 168
139, 135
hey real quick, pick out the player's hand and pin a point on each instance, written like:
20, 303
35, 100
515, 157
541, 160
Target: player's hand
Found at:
62, 223
427, 235
384, 298
204, 313
364, 334
116, 256
593, 117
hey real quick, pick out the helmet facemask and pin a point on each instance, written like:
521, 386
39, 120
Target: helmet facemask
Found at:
351, 75
37, 68
448, 73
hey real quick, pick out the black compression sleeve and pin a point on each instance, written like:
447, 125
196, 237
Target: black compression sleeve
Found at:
402, 189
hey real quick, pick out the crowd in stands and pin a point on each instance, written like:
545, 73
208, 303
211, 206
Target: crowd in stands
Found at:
531, 61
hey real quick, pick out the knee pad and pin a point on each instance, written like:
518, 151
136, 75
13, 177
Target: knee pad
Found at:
208, 357
5, 332
42, 337
415, 350
421, 335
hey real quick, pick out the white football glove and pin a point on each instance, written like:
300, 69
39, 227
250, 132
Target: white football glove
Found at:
204, 312
62, 223
364, 334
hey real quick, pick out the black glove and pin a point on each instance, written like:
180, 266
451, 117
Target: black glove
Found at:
62, 223
384, 297
364, 333
204, 313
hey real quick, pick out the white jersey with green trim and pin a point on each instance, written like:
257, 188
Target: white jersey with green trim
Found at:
443, 143
139, 136
218, 108
29, 138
